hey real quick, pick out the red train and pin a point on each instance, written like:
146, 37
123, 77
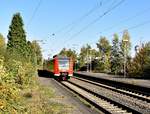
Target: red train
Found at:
61, 67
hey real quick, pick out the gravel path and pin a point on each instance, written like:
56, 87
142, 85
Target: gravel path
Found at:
74, 105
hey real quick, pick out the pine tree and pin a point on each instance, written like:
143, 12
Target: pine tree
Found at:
116, 57
17, 44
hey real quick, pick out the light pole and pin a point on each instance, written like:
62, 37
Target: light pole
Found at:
136, 48
90, 63
75, 66
125, 56
75, 47
89, 66
90, 60
87, 61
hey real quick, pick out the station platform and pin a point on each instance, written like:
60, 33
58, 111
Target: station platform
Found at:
133, 81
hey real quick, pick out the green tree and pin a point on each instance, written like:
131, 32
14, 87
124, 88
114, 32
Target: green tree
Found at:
37, 51
2, 46
82, 56
126, 43
87, 57
68, 53
17, 44
103, 45
140, 64
116, 58
72, 53
19, 56
125, 49
63, 52
104, 49
85, 52
146, 69
31, 54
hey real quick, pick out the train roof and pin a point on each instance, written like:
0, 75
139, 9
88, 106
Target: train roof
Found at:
60, 57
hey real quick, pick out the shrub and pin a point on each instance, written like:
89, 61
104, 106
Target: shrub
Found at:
10, 101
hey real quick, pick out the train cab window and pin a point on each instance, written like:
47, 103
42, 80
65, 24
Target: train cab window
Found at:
63, 63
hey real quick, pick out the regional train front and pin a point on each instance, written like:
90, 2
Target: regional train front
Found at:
63, 67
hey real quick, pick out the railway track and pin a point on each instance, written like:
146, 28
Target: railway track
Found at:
131, 88
137, 95
132, 102
98, 101
105, 103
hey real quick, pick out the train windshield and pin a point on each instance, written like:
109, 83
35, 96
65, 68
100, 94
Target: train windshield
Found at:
63, 63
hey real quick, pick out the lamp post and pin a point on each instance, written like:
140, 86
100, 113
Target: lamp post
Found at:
75, 47
89, 66
136, 48
87, 61
90, 60
75, 66
125, 56
90, 63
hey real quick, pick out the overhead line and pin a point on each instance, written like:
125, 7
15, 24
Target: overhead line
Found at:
134, 26
86, 15
127, 19
129, 28
80, 18
34, 13
97, 19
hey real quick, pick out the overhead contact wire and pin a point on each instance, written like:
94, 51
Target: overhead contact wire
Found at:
97, 19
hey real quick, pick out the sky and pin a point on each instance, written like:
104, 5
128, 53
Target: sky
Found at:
56, 24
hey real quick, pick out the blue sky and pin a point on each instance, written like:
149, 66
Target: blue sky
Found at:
66, 19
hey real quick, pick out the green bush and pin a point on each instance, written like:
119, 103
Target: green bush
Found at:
10, 100
15, 77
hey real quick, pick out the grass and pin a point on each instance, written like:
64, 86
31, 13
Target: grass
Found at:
38, 101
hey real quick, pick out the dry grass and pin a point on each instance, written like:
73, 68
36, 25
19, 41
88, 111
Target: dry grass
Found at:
38, 101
